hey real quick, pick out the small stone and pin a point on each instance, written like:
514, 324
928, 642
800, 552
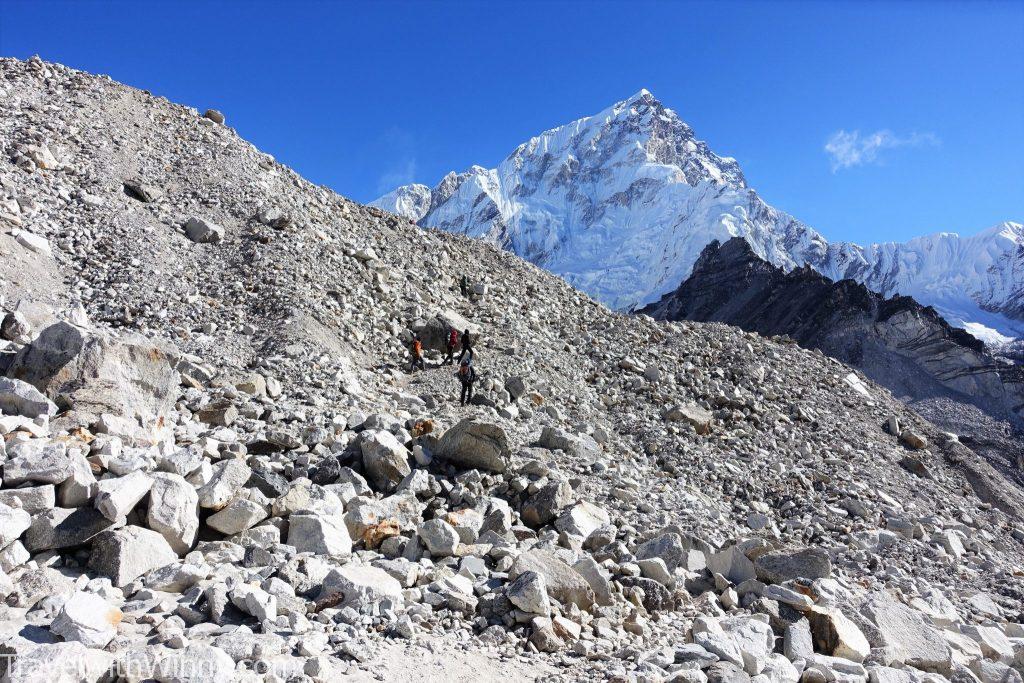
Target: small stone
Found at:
203, 231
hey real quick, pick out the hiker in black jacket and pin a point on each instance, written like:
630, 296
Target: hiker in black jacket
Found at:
467, 346
466, 376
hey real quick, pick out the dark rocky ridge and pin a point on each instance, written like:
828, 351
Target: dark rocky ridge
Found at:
906, 347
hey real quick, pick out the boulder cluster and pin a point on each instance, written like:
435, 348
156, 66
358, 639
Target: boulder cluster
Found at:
215, 465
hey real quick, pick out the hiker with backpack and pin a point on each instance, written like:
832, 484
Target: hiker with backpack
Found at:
466, 376
464, 285
453, 341
467, 347
416, 349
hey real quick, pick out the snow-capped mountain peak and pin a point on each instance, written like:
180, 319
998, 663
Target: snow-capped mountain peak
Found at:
621, 204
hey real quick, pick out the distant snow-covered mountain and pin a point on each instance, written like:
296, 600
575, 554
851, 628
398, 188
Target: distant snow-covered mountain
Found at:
622, 203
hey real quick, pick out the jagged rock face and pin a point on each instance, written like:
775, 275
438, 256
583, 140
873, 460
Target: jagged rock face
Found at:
622, 203
897, 342
963, 278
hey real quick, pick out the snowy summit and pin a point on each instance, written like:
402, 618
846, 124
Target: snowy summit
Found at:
621, 204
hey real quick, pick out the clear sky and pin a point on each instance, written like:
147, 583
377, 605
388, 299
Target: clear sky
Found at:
868, 120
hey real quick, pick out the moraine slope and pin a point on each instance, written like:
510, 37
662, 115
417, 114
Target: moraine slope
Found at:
320, 527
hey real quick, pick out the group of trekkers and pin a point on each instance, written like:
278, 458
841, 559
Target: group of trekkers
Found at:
466, 374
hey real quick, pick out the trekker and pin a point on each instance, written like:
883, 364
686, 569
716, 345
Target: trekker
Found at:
453, 341
467, 346
464, 285
416, 349
466, 376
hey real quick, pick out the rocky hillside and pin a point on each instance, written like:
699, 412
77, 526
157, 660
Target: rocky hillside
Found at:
905, 347
622, 203
216, 465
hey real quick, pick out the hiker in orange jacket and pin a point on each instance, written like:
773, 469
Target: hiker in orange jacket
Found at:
416, 349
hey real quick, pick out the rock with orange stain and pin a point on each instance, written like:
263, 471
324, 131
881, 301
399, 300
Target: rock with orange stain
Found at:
87, 618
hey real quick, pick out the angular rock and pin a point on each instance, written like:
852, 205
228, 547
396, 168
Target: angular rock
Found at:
88, 619
732, 564
836, 635
98, 372
913, 439
473, 444
142, 191
529, 593
668, 547
220, 412
365, 513
21, 398
782, 566
439, 537
203, 231
691, 414
555, 438
16, 328
385, 459
127, 553
31, 499
46, 463
13, 523
116, 497
582, 519
237, 516
323, 535
542, 507
65, 528
173, 510
596, 577
563, 583
911, 641
229, 476
358, 587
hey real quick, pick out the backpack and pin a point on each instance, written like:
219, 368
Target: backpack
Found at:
453, 337
417, 347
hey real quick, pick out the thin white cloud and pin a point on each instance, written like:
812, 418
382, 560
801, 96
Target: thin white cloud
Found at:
849, 148
401, 145
402, 173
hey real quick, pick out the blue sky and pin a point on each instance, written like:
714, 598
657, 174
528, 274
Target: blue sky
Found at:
869, 121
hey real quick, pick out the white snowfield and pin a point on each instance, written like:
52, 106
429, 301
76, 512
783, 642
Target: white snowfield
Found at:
620, 204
